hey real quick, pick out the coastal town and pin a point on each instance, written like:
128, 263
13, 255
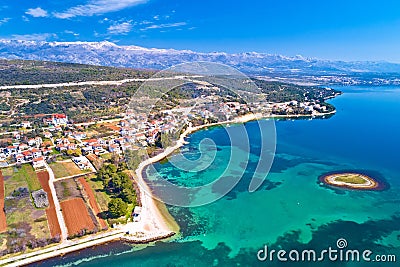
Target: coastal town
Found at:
66, 184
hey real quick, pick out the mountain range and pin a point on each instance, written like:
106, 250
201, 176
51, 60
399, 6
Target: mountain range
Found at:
109, 54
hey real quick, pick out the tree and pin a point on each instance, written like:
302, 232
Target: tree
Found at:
128, 195
115, 159
78, 152
115, 183
122, 166
117, 207
111, 168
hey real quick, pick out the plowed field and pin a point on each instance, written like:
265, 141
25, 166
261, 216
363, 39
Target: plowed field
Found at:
76, 216
54, 226
93, 202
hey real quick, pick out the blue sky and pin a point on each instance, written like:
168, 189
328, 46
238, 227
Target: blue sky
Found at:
340, 29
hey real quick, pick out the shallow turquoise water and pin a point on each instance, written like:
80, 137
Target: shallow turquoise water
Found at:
291, 209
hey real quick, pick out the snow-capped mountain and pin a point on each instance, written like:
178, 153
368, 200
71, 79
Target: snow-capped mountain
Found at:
109, 54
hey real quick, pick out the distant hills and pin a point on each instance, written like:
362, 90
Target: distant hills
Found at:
109, 54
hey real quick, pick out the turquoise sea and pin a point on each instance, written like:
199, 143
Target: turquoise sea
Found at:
291, 210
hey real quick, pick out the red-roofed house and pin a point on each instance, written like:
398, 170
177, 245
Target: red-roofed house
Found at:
38, 162
36, 153
59, 119
114, 149
61, 147
46, 151
90, 142
23, 147
19, 158
47, 134
27, 155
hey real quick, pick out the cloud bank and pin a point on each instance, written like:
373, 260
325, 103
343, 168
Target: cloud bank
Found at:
97, 7
122, 28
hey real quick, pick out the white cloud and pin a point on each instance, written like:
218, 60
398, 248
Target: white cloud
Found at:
37, 12
122, 28
4, 21
166, 25
145, 22
97, 7
71, 32
34, 36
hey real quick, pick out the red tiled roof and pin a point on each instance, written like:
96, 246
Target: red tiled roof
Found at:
59, 116
38, 159
90, 141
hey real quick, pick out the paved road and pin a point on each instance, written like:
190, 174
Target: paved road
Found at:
69, 84
63, 248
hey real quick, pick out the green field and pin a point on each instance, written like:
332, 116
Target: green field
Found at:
25, 213
101, 197
25, 176
24, 221
65, 169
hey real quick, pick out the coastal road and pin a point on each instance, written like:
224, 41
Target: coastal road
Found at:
63, 248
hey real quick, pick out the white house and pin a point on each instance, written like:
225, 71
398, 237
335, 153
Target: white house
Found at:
27, 155
82, 162
38, 163
36, 153
19, 158
48, 135
25, 124
114, 149
87, 149
79, 135
59, 120
11, 150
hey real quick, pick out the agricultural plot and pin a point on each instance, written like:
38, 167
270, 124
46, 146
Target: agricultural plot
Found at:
26, 226
65, 169
51, 214
78, 219
102, 198
67, 189
18, 177
92, 201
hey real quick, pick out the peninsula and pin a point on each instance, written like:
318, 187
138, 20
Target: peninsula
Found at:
70, 141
